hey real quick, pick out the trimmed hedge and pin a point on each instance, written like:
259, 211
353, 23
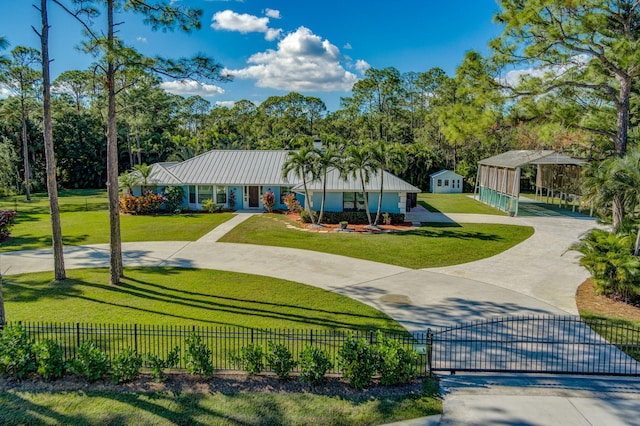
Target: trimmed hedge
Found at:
355, 218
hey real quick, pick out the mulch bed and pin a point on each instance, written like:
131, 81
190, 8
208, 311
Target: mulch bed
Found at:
231, 383
362, 228
587, 300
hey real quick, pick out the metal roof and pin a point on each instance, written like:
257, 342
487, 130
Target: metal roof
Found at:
338, 183
233, 167
160, 175
558, 158
513, 159
443, 171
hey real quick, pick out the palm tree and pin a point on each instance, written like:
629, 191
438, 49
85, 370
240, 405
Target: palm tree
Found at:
326, 159
145, 172
303, 164
387, 157
360, 165
626, 173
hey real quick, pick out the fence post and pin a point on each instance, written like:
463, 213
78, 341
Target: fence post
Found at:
429, 352
77, 334
135, 337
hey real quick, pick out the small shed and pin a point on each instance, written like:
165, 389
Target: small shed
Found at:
446, 182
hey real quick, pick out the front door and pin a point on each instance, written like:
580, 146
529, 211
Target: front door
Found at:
254, 200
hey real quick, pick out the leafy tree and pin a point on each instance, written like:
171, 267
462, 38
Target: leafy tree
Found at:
329, 157
387, 157
116, 57
22, 79
361, 164
76, 84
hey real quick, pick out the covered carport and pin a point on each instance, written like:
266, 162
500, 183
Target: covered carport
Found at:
498, 180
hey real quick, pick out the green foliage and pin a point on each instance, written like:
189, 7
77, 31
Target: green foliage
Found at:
146, 204
174, 196
357, 217
211, 206
126, 366
307, 217
17, 353
396, 365
357, 360
609, 259
314, 364
6, 222
158, 365
197, 356
90, 362
280, 360
49, 356
250, 359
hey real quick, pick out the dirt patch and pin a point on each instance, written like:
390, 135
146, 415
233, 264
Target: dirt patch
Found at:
587, 300
230, 383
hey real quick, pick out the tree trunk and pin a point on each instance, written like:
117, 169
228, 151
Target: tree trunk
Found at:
115, 246
366, 199
307, 200
324, 194
25, 150
3, 318
380, 197
623, 107
617, 213
52, 188
636, 251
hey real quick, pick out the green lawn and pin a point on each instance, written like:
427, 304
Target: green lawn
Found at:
174, 296
426, 247
169, 408
85, 220
455, 203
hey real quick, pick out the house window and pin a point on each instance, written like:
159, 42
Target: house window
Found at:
352, 201
205, 192
439, 182
192, 194
284, 190
221, 195
446, 182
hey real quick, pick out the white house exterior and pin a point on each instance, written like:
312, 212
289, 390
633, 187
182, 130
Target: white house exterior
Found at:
446, 182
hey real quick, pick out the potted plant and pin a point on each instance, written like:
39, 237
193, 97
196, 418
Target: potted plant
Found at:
387, 218
343, 224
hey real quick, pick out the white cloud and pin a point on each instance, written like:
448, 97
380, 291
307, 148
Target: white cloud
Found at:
302, 62
228, 20
191, 87
5, 92
141, 39
362, 66
514, 77
272, 13
347, 46
227, 104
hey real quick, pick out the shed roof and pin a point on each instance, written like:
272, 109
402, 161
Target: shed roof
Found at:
514, 159
442, 172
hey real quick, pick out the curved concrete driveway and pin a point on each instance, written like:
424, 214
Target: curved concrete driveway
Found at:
535, 277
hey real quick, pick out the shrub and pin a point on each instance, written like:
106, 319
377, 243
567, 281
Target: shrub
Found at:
49, 356
174, 197
145, 204
197, 356
314, 364
126, 366
158, 365
358, 218
90, 362
269, 200
250, 359
357, 360
232, 199
6, 222
396, 364
17, 354
279, 359
292, 203
609, 259
305, 217
211, 206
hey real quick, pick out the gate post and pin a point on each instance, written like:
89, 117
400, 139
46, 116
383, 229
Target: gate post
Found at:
429, 352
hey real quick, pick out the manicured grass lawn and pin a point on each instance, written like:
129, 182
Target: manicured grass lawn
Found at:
426, 247
455, 203
174, 296
168, 408
85, 220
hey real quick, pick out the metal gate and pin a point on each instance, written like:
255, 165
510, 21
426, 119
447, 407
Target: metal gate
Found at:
562, 345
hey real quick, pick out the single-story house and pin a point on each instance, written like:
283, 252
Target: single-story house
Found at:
245, 175
446, 182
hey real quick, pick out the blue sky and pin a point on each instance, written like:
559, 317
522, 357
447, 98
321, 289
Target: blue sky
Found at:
277, 46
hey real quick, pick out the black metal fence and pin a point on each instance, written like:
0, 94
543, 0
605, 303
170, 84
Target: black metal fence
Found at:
563, 345
159, 340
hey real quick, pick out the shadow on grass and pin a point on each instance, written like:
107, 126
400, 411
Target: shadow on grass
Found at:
428, 207
32, 242
458, 234
20, 411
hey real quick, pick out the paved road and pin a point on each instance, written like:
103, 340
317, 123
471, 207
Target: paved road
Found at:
539, 276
